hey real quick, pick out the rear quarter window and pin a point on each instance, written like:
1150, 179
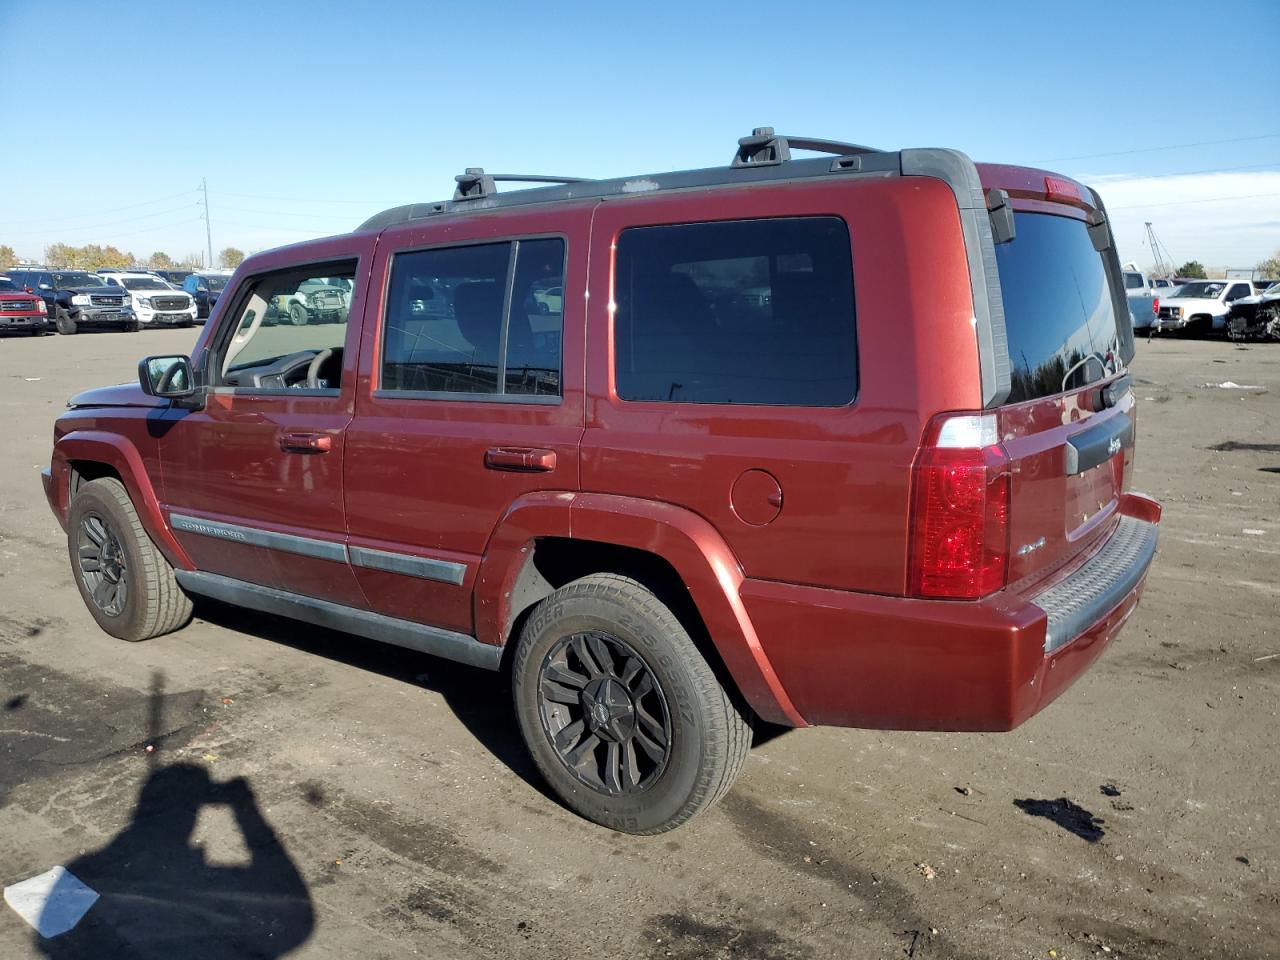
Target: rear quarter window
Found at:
1059, 312
738, 312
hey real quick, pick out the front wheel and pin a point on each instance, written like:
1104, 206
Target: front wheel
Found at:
624, 717
124, 580
297, 314
63, 322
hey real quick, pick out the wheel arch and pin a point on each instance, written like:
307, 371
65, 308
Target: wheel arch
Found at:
82, 456
546, 540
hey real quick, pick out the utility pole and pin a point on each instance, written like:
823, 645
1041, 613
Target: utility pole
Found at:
208, 231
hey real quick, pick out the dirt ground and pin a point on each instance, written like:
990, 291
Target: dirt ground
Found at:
316, 795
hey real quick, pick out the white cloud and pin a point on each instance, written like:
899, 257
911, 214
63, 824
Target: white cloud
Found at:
1221, 219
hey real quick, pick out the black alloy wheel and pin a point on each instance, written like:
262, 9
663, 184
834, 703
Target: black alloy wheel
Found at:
604, 713
104, 568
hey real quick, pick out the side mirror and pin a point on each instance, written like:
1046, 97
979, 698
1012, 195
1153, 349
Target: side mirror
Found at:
168, 377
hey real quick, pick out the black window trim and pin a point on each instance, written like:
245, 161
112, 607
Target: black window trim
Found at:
386, 393
617, 398
224, 333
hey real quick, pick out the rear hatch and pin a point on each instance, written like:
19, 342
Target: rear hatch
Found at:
1067, 425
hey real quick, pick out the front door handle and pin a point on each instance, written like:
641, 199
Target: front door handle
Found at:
306, 442
520, 459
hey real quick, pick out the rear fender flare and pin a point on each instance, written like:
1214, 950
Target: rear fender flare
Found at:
689, 543
99, 447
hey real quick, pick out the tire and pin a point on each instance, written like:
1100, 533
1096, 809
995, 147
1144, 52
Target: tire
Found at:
132, 327
599, 646
298, 315
63, 323
109, 548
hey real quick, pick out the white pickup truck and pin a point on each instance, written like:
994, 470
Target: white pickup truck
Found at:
1144, 302
1201, 306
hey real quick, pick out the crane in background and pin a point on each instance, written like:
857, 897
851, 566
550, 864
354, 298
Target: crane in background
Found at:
1163, 260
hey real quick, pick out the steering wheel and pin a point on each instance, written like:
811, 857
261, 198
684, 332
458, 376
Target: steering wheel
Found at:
313, 368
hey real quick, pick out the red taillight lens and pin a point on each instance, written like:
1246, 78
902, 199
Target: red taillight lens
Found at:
1155, 304
959, 510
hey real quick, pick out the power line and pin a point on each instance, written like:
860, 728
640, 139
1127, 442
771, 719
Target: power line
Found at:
1175, 203
1185, 173
281, 213
261, 196
75, 216
1170, 146
77, 228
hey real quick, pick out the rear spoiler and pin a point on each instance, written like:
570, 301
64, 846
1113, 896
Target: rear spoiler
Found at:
985, 222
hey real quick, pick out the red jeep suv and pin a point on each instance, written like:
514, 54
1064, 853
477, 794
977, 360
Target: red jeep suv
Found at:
840, 440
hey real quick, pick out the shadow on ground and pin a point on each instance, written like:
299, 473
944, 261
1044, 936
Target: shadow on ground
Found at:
163, 896
480, 699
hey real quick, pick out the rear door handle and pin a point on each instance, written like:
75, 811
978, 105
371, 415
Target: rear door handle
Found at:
520, 459
306, 442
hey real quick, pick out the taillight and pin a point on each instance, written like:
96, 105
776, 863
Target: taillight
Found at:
959, 510
1155, 304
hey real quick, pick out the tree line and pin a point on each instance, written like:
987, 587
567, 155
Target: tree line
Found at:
92, 256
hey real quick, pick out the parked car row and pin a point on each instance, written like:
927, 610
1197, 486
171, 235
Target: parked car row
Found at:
1193, 306
38, 300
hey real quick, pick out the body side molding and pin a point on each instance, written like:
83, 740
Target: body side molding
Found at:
335, 616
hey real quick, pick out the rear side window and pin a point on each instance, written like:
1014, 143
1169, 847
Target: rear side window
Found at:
1058, 309
747, 311
479, 320
1133, 281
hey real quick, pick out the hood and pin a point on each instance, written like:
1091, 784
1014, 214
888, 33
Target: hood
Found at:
1182, 301
121, 395
95, 291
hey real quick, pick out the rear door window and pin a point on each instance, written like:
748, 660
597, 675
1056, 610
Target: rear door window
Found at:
1059, 313
743, 312
478, 320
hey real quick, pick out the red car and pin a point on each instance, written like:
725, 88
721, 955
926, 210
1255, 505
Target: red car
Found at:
21, 310
844, 440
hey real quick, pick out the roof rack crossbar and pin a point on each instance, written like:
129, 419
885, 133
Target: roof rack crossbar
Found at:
475, 183
764, 148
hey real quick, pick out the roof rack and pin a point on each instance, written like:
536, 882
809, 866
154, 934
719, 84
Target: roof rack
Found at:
475, 183
765, 148
764, 156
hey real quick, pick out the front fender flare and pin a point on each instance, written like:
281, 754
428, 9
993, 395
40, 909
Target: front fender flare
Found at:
116, 452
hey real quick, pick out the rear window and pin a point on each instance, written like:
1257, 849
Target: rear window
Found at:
746, 311
1059, 314
1133, 281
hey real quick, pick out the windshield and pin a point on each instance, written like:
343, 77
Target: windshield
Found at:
1274, 288
216, 283
77, 279
7, 284
1059, 313
1133, 281
143, 283
1202, 290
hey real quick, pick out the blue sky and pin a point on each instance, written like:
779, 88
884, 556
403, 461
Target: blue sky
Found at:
306, 117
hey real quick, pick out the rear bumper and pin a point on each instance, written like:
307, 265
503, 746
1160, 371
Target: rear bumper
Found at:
848, 659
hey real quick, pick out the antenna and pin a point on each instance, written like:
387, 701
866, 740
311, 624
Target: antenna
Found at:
208, 231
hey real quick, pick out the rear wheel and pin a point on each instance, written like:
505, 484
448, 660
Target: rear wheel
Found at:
623, 715
124, 580
63, 322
